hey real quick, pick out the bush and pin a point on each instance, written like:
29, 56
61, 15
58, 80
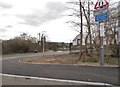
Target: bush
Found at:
16, 46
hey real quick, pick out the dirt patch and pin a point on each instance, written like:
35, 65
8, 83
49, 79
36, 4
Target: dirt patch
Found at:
68, 59
59, 59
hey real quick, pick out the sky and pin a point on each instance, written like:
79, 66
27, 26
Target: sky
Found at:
36, 16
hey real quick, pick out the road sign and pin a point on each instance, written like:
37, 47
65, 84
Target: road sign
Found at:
101, 4
102, 29
101, 11
101, 14
101, 17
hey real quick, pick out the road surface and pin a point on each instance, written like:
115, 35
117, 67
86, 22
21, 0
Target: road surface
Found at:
11, 65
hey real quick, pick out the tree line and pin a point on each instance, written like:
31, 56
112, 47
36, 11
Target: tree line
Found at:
26, 43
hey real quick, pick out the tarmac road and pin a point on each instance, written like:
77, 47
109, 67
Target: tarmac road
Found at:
13, 56
11, 65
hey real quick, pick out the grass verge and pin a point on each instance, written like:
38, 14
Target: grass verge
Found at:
68, 59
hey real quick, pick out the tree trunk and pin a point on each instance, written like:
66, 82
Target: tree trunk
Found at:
86, 43
81, 31
89, 31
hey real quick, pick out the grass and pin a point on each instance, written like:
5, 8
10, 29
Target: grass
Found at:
92, 60
111, 61
68, 59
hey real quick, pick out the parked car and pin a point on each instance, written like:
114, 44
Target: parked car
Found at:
35, 51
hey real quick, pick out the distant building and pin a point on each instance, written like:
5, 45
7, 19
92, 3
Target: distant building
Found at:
76, 40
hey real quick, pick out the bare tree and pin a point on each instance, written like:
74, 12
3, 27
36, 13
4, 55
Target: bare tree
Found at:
86, 13
92, 29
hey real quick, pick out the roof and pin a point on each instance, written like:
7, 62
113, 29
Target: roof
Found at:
77, 37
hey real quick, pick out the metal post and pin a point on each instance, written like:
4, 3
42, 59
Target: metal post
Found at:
101, 51
43, 43
101, 44
39, 36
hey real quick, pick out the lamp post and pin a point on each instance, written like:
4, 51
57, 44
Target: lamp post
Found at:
43, 42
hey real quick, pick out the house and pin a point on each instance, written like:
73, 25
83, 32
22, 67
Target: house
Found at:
76, 40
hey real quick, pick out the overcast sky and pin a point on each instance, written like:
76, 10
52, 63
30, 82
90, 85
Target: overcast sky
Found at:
35, 16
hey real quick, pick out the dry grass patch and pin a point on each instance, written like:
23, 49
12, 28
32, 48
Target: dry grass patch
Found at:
68, 59
55, 59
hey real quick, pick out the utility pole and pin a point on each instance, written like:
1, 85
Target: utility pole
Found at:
39, 38
81, 26
43, 42
44, 39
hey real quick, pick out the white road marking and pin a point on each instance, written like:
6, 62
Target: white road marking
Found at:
57, 80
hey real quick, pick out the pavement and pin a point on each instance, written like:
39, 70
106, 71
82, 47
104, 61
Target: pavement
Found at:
27, 80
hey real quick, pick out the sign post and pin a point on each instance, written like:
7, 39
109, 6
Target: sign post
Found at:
101, 14
102, 44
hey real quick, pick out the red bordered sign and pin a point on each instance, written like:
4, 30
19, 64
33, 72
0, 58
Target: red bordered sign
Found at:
101, 4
